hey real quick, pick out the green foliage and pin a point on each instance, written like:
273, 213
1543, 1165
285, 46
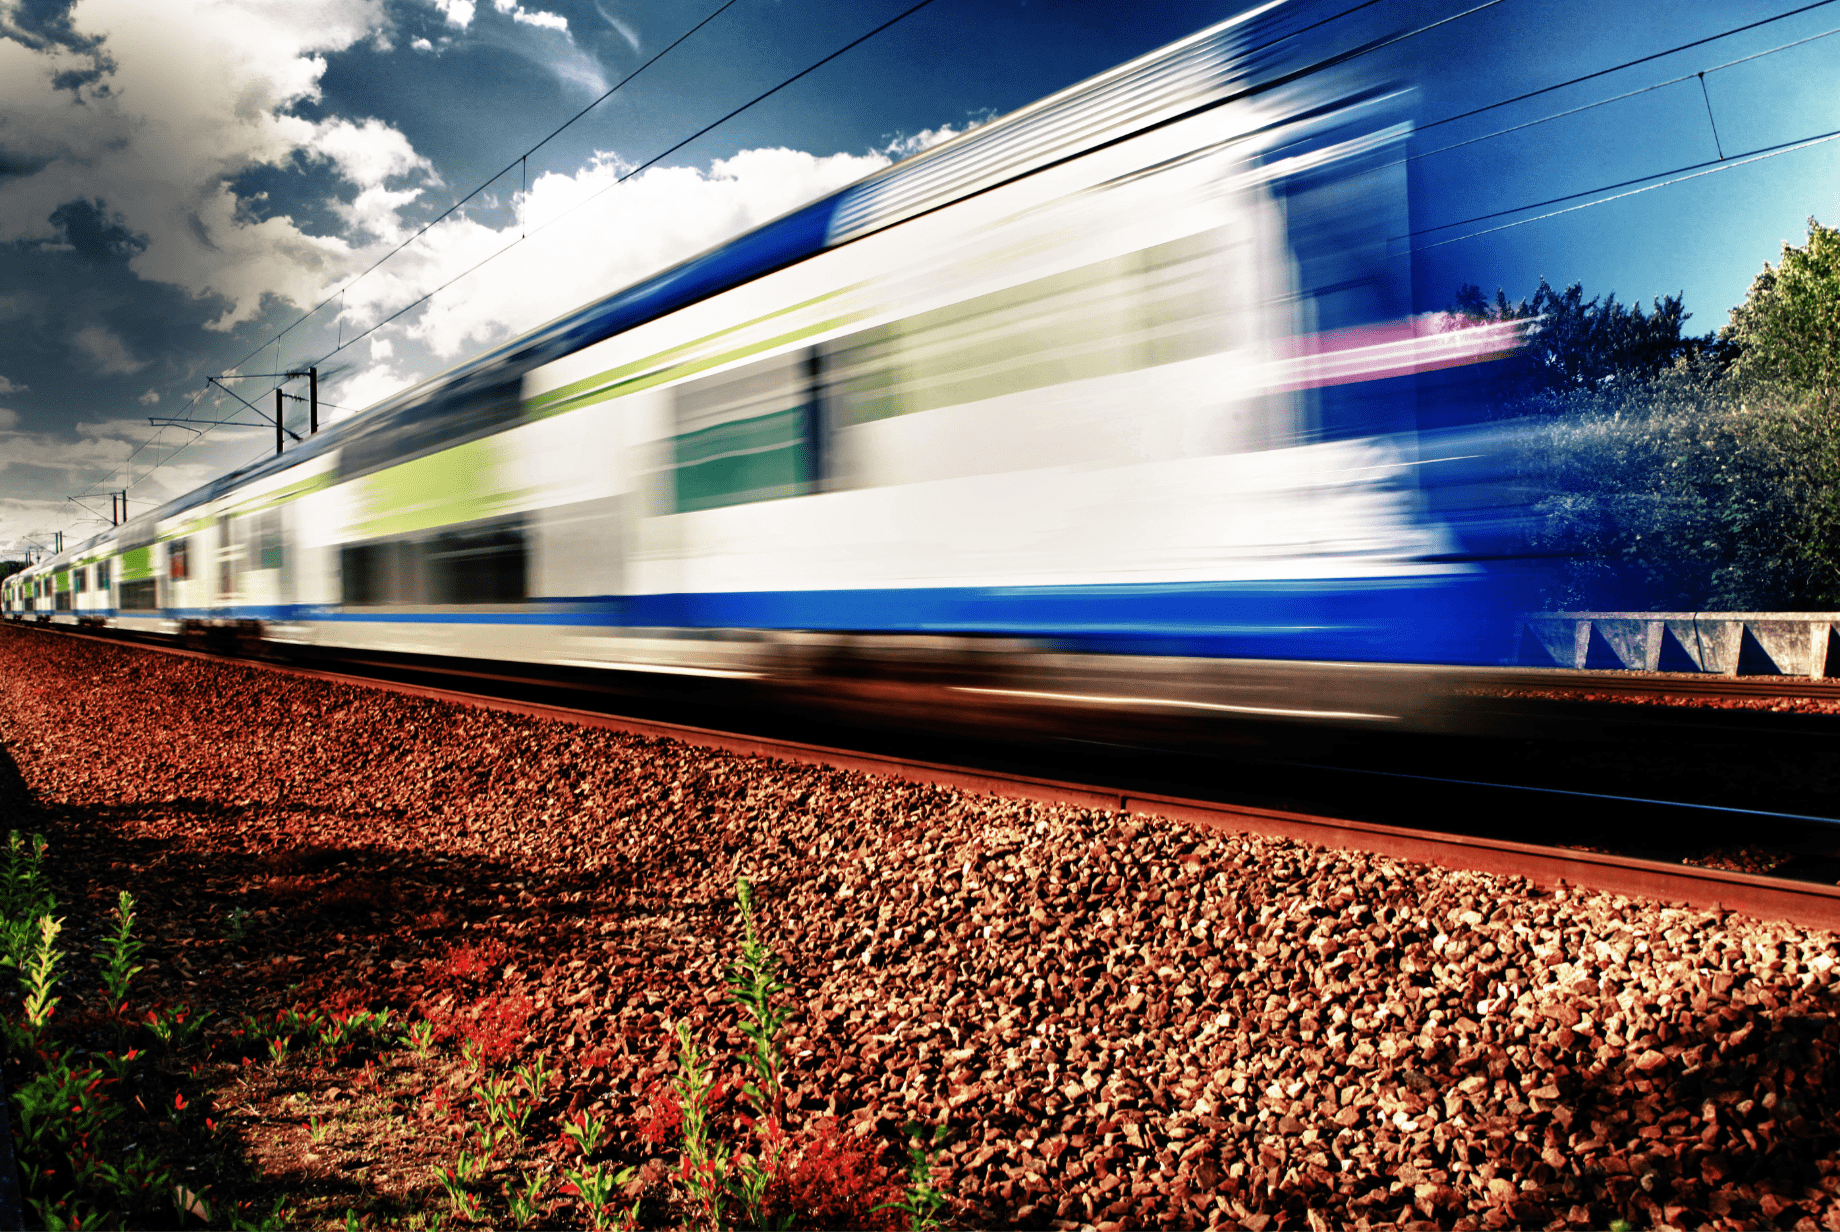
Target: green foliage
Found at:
704, 1169
121, 950
1573, 344
921, 1202
24, 896
1788, 327
1679, 494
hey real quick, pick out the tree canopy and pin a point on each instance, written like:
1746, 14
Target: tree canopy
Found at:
1787, 330
1579, 344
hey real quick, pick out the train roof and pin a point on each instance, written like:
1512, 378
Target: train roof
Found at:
1157, 88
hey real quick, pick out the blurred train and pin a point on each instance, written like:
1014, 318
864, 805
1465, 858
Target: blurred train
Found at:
1114, 409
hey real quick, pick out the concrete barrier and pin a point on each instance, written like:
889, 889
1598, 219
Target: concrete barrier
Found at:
1718, 643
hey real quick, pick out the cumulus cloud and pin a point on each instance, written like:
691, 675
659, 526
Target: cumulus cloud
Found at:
137, 161
532, 17
110, 353
8, 418
149, 398
904, 145
587, 236
458, 12
10, 386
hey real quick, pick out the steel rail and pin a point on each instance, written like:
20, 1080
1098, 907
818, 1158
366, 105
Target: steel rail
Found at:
1808, 904
1516, 680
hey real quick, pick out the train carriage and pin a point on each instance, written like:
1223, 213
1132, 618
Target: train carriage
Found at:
1121, 385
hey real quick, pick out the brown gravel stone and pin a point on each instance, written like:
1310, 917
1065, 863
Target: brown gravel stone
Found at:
1124, 1021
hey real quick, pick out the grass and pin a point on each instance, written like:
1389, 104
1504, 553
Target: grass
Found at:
187, 1121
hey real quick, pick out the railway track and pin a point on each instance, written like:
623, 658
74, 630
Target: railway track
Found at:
1802, 893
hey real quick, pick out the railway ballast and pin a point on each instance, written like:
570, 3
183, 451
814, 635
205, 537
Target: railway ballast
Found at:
1122, 1021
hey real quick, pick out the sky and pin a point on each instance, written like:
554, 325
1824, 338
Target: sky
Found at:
182, 181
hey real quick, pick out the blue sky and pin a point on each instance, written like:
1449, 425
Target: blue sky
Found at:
181, 179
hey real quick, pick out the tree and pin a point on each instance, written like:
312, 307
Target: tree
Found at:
1787, 330
1579, 345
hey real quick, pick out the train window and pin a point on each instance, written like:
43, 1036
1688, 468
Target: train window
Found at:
140, 596
1156, 306
178, 563
102, 575
479, 562
748, 434
269, 554
80, 580
226, 556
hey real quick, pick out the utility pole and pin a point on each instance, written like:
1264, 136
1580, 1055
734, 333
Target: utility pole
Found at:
312, 400
278, 406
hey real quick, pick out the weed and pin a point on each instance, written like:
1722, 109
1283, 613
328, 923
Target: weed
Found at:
41, 974
24, 896
704, 1165
174, 1026
535, 1076
121, 950
420, 1039
523, 1202
278, 1049
753, 982
587, 1131
464, 1204
596, 1185
921, 1202
317, 1129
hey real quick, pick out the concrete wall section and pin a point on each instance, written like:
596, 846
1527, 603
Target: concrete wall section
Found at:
1719, 643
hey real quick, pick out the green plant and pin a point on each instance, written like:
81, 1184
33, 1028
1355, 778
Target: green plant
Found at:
523, 1202
121, 949
174, 1026
704, 1166
596, 1185
317, 1129
921, 1202
236, 925
753, 982
419, 1039
465, 1204
535, 1075
41, 975
24, 896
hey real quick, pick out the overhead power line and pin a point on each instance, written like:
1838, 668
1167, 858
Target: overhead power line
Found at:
1617, 68
1617, 98
1692, 171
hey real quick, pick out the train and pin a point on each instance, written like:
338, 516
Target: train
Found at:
1111, 411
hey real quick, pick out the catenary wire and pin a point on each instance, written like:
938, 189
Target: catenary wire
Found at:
1617, 68
1679, 175
1617, 98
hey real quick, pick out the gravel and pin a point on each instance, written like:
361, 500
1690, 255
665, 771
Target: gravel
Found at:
1126, 1021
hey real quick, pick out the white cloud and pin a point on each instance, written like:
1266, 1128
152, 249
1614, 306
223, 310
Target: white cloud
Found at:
161, 148
532, 17
149, 398
8, 386
367, 154
421, 44
458, 12
109, 352
902, 145
7, 418
569, 258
